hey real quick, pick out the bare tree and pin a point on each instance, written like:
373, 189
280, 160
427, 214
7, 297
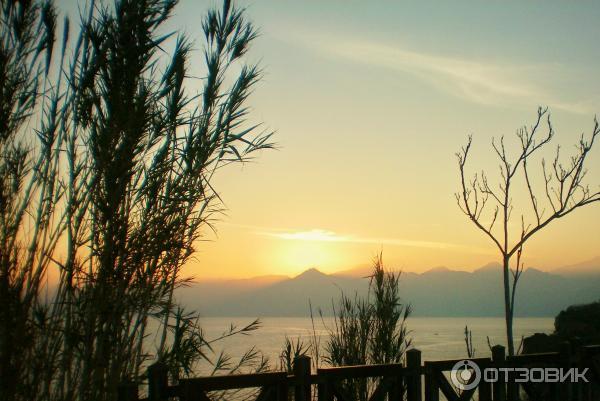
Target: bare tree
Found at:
490, 207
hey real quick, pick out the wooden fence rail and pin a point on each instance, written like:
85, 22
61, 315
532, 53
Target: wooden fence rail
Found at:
415, 381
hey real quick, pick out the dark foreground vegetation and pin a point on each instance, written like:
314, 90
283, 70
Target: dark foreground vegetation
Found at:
105, 188
578, 324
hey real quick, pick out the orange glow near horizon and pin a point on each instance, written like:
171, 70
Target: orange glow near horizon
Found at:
290, 253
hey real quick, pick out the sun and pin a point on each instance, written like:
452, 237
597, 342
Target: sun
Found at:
297, 255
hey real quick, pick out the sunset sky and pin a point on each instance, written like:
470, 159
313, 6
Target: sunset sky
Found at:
370, 101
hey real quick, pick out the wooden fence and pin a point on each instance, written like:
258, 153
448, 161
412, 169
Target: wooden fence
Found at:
412, 382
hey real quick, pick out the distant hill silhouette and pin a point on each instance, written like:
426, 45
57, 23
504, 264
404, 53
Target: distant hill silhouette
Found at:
587, 268
436, 292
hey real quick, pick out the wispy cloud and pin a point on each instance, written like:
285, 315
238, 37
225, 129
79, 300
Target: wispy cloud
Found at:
477, 81
311, 235
330, 236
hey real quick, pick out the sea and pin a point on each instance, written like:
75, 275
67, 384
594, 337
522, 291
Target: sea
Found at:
438, 338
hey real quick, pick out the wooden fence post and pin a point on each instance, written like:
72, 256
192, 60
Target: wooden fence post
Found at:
485, 388
413, 363
432, 389
566, 388
512, 388
158, 381
498, 361
302, 374
127, 391
323, 388
282, 391
586, 360
396, 393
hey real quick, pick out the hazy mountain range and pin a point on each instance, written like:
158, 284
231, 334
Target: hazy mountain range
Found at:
436, 292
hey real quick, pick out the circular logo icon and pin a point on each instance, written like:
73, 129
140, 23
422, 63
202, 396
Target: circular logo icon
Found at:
465, 375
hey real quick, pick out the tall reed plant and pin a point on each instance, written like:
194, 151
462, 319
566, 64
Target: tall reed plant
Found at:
369, 330
106, 171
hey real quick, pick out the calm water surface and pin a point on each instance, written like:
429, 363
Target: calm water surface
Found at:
437, 338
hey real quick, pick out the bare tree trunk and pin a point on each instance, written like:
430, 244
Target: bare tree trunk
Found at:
508, 312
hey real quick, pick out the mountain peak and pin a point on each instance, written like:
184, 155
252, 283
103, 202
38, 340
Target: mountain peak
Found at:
312, 272
489, 266
438, 269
